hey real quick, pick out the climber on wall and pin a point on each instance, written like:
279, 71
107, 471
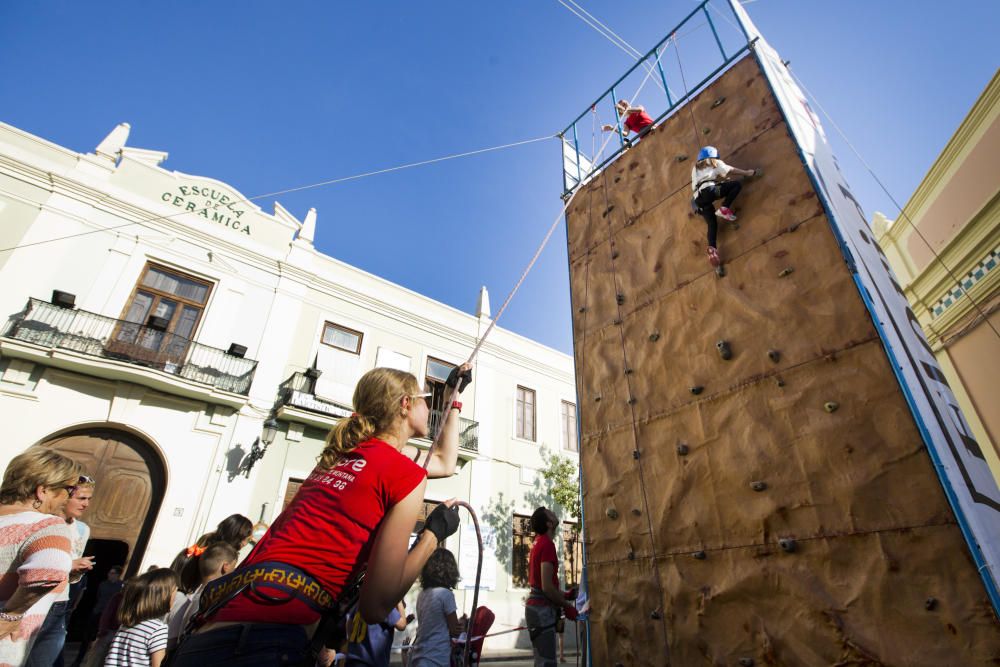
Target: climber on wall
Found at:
708, 181
635, 120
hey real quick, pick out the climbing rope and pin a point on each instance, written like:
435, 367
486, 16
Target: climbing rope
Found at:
680, 66
294, 189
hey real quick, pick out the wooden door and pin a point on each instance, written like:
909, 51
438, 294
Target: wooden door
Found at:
130, 485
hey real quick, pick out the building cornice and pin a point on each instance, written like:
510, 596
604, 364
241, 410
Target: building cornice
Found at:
983, 112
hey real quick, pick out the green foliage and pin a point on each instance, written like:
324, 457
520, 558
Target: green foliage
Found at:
563, 483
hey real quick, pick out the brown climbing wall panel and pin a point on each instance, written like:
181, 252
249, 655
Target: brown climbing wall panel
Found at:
754, 519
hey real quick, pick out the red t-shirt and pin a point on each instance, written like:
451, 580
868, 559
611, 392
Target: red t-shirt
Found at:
329, 527
542, 551
637, 121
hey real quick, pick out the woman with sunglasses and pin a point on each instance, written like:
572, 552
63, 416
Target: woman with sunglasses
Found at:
35, 546
356, 511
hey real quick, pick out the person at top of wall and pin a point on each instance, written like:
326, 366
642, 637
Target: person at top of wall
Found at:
353, 514
634, 119
709, 184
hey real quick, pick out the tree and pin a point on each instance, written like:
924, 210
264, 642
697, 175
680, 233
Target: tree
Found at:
563, 482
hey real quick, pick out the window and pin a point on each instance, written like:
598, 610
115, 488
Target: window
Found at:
569, 426
342, 338
293, 486
162, 314
521, 550
572, 554
525, 414
435, 374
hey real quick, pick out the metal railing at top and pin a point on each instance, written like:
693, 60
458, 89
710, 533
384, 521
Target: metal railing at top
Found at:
578, 167
52, 326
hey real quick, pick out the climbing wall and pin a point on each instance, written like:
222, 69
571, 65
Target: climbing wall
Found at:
777, 506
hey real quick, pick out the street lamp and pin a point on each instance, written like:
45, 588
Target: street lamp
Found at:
267, 435
270, 431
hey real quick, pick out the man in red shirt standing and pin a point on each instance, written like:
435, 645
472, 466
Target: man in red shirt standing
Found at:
546, 600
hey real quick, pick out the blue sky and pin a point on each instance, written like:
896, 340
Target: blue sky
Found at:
277, 95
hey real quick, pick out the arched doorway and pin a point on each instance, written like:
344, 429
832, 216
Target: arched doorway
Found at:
130, 484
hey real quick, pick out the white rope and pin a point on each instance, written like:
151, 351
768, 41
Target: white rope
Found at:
295, 189
610, 35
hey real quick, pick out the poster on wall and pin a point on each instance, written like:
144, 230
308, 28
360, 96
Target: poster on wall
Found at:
468, 549
963, 468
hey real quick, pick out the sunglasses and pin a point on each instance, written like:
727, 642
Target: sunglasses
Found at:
84, 479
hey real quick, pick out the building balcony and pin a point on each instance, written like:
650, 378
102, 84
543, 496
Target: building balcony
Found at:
297, 401
53, 327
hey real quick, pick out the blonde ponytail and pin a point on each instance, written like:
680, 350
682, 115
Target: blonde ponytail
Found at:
377, 404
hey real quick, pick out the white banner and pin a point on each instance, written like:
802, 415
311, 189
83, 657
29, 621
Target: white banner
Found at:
468, 548
970, 485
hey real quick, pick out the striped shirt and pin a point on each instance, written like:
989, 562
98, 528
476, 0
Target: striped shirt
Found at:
132, 646
34, 551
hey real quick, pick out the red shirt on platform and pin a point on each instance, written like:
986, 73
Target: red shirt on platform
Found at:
329, 527
637, 121
542, 551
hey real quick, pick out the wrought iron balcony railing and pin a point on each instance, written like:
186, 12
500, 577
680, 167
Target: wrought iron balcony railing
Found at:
299, 391
52, 326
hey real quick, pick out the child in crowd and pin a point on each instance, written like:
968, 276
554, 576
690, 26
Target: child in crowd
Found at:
436, 612
708, 181
141, 641
215, 561
375, 649
635, 120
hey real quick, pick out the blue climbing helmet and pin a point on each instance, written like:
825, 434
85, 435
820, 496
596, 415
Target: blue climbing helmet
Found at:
708, 152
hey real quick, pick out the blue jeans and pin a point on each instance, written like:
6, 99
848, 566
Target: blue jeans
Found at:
244, 645
50, 638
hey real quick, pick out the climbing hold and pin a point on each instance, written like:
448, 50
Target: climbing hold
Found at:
616, 321
682, 158
631, 555
583, 309
725, 351
831, 406
930, 604
697, 389
629, 222
631, 400
608, 210
780, 382
620, 298
774, 355
655, 336
718, 102
629, 371
683, 449
656, 615
699, 555
788, 544
597, 398
614, 254
635, 454
746, 662
787, 271
706, 130
758, 486
612, 513
758, 172
636, 511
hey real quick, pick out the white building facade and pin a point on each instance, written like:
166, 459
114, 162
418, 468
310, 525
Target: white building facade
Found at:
166, 332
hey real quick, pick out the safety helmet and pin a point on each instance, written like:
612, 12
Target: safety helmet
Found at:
708, 152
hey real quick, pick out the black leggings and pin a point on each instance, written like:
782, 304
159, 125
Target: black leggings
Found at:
705, 203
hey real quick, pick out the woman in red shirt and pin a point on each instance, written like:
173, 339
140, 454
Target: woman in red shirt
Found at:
635, 120
545, 601
357, 509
